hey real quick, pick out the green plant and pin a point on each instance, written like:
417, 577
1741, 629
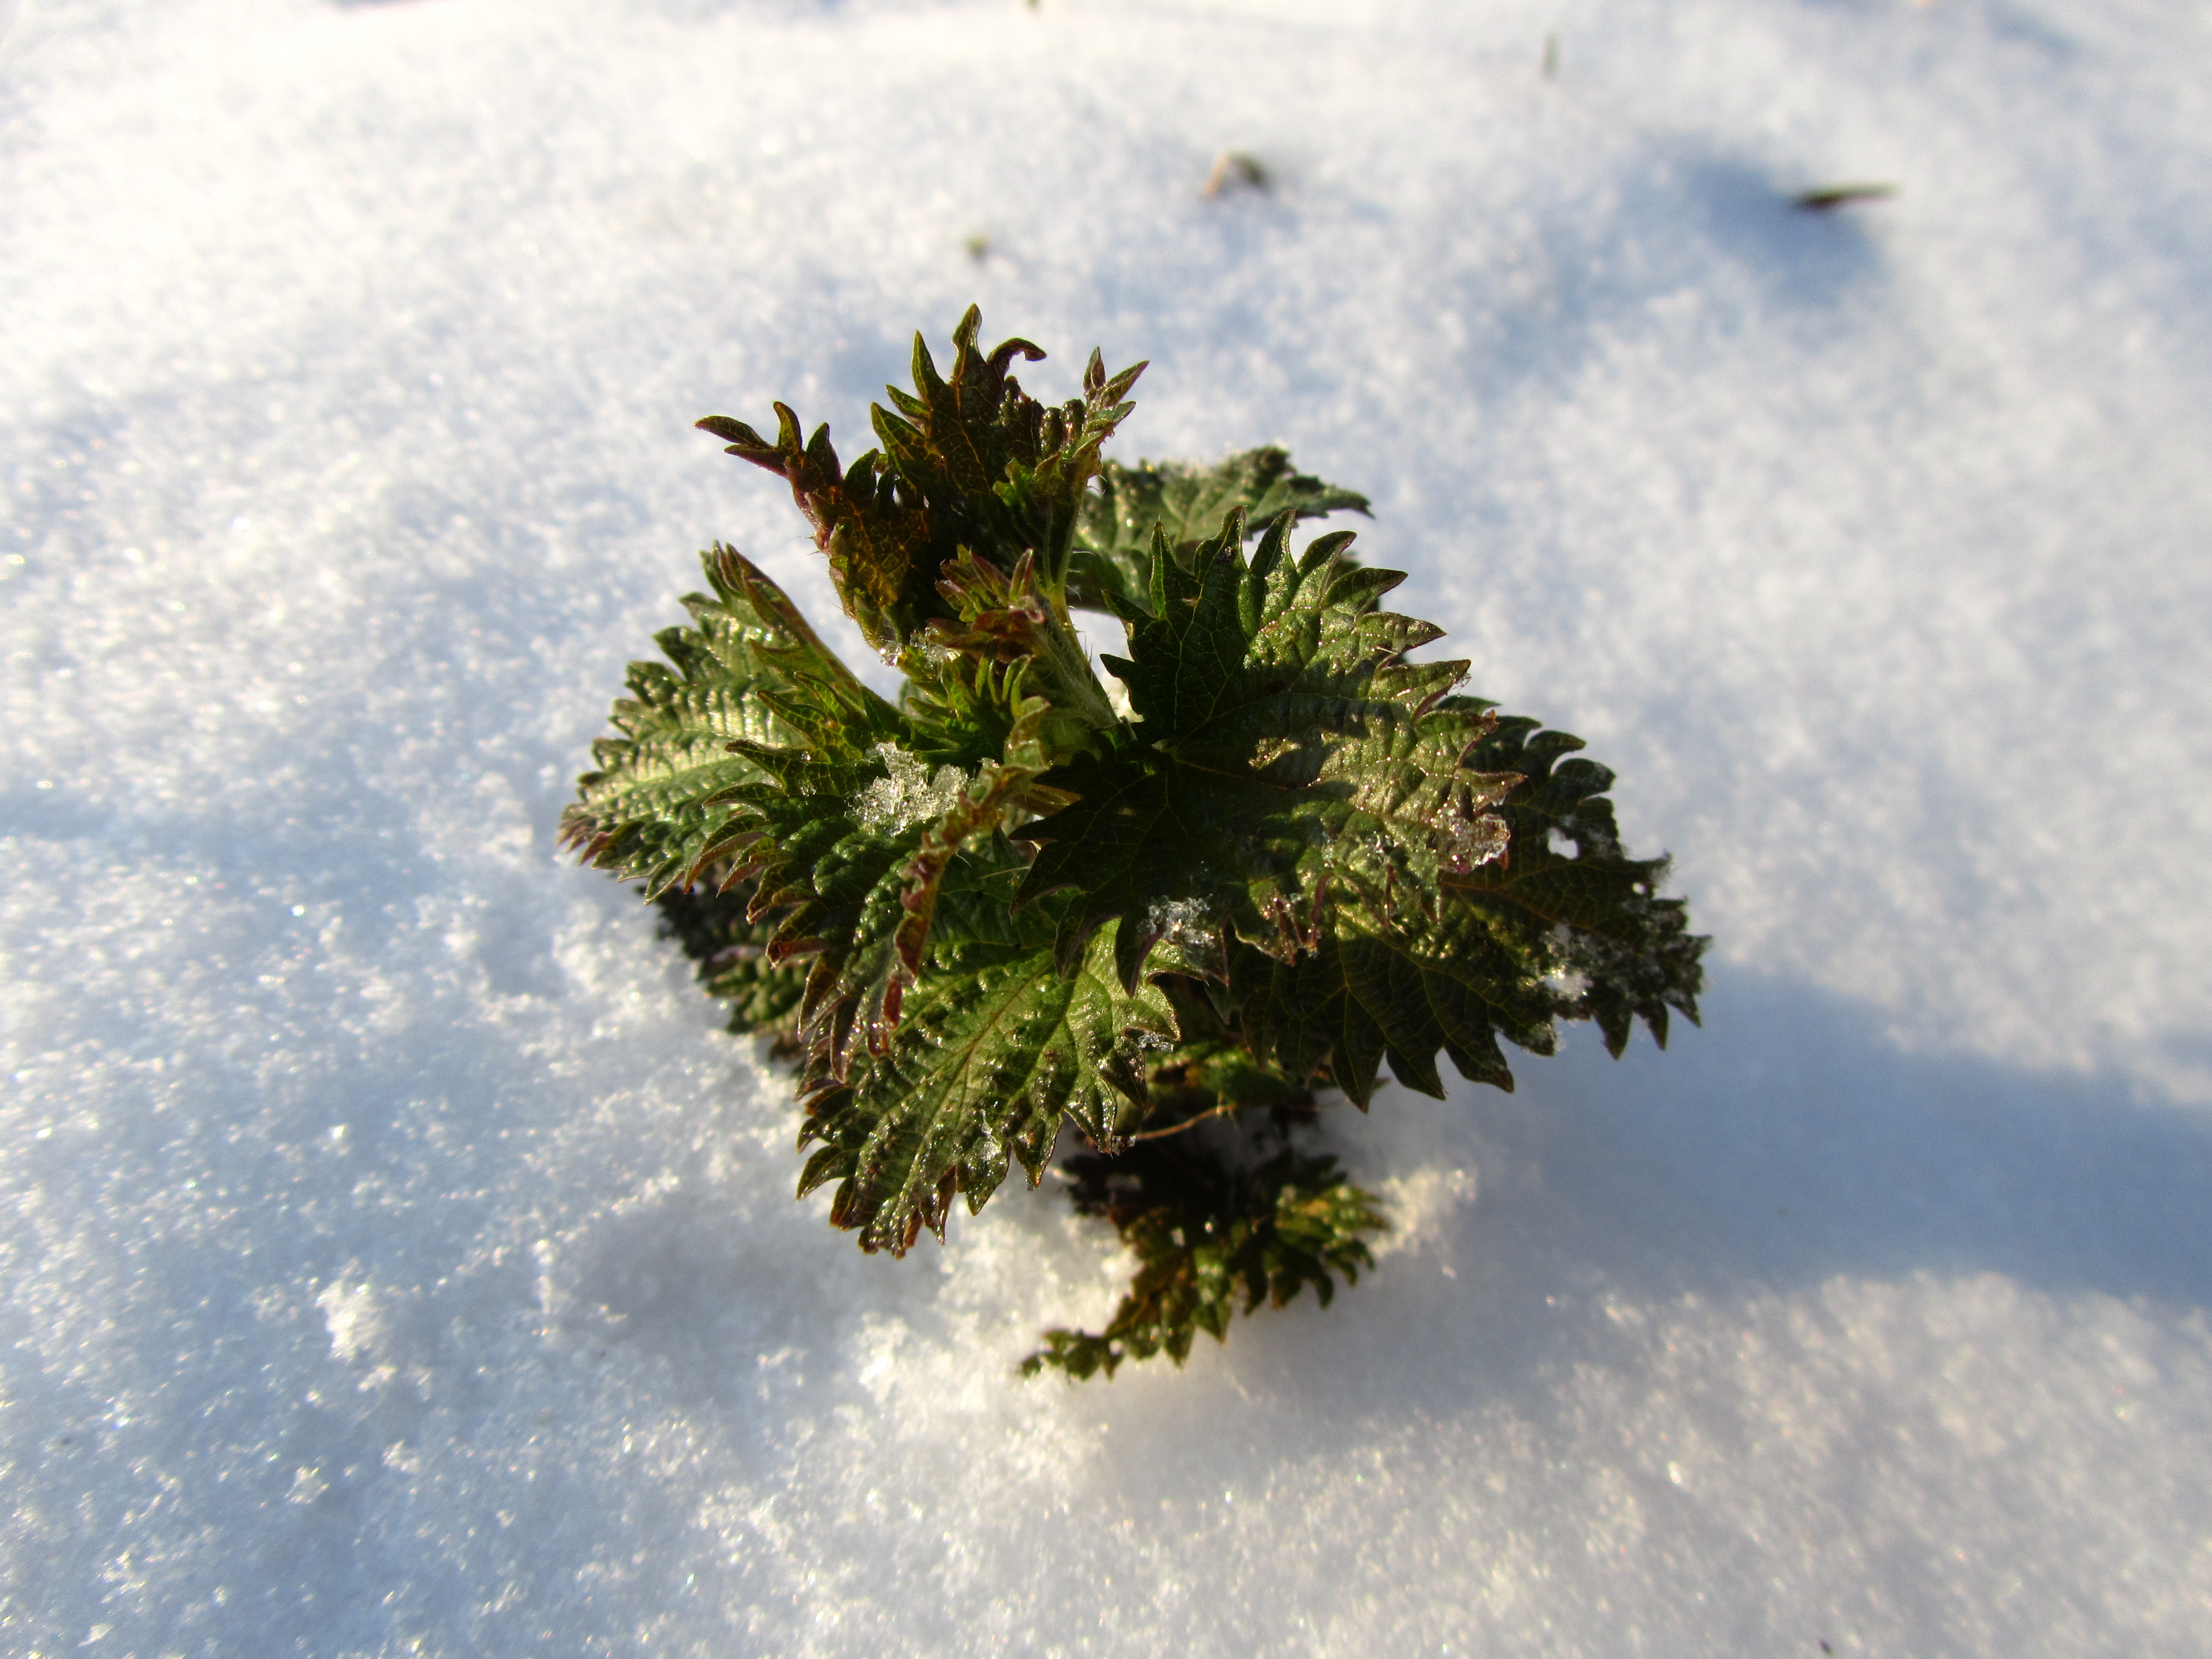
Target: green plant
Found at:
1006, 901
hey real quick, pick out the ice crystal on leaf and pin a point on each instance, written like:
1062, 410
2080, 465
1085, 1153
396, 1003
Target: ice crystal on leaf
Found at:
907, 793
1273, 856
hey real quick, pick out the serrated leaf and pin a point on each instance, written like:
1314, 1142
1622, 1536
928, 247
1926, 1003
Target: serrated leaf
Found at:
710, 923
832, 841
1373, 991
1004, 642
996, 1047
1516, 944
1185, 505
969, 460
1207, 1236
662, 804
850, 853
1285, 749
1623, 953
877, 533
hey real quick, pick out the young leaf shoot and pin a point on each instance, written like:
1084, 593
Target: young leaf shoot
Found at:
1278, 856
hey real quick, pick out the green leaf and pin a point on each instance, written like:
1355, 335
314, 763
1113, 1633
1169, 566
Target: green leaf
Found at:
1207, 1236
1005, 620
663, 803
969, 460
1285, 754
883, 547
832, 841
1186, 505
711, 923
996, 1045
850, 851
1623, 953
1374, 990
1541, 935
1298, 857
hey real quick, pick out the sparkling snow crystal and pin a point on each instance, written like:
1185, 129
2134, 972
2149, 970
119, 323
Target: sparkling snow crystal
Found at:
910, 793
347, 367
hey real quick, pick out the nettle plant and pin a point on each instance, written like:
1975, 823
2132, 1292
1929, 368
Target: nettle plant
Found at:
1275, 856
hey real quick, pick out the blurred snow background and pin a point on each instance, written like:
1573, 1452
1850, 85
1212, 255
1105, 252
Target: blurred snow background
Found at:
399, 1260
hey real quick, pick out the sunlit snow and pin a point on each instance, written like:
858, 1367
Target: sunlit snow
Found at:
400, 1259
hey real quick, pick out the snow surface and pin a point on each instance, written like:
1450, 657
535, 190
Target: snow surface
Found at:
399, 1259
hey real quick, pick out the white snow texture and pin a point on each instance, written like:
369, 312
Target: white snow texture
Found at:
400, 1260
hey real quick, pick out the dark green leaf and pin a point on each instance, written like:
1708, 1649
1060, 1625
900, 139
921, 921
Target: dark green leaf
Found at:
711, 923
850, 851
1185, 504
1005, 622
1207, 1236
996, 1045
1286, 753
1543, 934
1404, 991
662, 805
1625, 953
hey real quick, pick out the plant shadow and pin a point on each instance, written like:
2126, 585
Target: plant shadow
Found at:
1788, 1144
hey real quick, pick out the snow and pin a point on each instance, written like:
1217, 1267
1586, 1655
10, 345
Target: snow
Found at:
907, 793
400, 1260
